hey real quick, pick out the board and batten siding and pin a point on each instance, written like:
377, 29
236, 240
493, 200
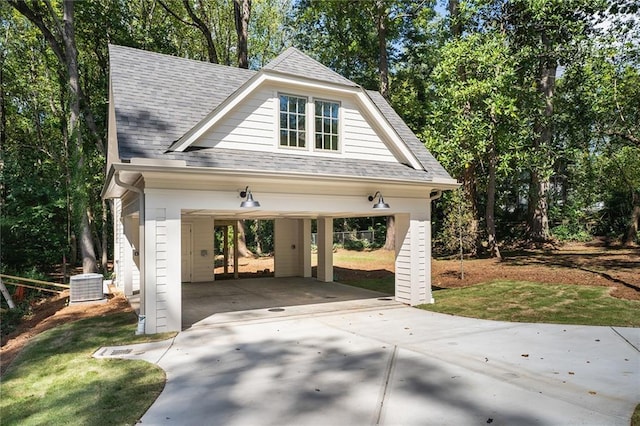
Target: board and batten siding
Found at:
253, 125
202, 241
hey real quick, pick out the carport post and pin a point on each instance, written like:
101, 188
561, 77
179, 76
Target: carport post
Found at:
325, 249
235, 250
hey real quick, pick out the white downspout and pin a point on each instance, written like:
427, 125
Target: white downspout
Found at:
435, 196
141, 248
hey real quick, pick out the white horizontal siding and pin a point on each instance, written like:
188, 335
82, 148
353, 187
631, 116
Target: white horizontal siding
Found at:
360, 140
161, 268
253, 126
250, 126
403, 271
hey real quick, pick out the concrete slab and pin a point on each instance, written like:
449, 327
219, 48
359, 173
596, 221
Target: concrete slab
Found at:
201, 301
395, 365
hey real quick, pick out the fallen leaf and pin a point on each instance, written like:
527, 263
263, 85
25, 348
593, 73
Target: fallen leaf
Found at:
525, 355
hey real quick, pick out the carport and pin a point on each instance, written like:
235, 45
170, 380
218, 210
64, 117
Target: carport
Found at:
194, 145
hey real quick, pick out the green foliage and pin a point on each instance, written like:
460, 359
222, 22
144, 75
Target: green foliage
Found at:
570, 233
455, 228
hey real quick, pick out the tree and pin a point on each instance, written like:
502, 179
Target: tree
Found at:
242, 14
60, 36
543, 36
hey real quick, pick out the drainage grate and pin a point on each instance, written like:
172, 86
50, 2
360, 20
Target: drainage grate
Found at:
330, 297
275, 310
121, 352
386, 299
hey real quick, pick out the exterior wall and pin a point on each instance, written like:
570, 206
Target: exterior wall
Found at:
413, 258
163, 295
304, 244
253, 126
202, 234
286, 248
118, 243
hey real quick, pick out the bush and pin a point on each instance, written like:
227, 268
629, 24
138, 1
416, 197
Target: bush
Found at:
571, 233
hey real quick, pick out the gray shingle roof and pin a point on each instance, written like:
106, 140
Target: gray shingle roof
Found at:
294, 62
158, 98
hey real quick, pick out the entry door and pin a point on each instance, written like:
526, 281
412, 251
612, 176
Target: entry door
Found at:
187, 253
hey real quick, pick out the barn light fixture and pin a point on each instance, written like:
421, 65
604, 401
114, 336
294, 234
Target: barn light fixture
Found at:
249, 202
380, 204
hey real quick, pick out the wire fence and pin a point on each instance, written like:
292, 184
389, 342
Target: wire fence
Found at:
341, 237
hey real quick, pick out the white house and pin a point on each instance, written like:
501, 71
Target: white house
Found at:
187, 138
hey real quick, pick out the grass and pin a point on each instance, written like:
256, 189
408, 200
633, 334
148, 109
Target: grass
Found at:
635, 419
54, 380
385, 285
522, 301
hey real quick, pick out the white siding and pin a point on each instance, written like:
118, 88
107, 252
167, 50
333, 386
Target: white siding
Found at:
254, 126
118, 243
162, 300
413, 260
249, 126
360, 141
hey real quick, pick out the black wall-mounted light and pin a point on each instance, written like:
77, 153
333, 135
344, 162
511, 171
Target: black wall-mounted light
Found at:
249, 202
380, 204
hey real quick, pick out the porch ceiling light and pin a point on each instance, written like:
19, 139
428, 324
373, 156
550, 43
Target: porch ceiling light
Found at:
380, 204
249, 202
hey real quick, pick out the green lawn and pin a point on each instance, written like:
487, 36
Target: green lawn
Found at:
54, 380
535, 302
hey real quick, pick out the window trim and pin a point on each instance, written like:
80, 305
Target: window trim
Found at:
339, 133
306, 119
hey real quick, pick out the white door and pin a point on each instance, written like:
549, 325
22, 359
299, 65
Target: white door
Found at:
186, 253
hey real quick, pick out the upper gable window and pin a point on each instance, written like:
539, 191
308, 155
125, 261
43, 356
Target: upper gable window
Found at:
293, 111
326, 125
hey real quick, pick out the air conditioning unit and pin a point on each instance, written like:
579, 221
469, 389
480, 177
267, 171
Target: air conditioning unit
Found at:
86, 287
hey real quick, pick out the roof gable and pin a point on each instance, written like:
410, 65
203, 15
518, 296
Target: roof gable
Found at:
161, 101
294, 62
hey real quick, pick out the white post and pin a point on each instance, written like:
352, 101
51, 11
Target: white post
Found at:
304, 243
6, 295
325, 249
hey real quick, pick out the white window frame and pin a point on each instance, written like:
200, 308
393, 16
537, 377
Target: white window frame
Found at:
306, 118
338, 134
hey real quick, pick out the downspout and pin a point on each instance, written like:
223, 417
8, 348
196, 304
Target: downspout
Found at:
141, 249
437, 194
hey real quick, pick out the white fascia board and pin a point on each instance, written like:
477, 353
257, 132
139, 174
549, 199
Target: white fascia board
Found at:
386, 127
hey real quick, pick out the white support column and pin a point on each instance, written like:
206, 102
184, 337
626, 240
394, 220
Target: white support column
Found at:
304, 244
325, 249
236, 251
413, 258
162, 280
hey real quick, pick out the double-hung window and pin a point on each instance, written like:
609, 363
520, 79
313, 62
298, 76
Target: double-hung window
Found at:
327, 122
293, 110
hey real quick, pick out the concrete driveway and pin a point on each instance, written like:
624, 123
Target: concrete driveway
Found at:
378, 362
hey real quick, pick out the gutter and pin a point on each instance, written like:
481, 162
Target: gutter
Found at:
437, 194
141, 248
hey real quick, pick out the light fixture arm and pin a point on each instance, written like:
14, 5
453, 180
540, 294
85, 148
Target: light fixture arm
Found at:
244, 193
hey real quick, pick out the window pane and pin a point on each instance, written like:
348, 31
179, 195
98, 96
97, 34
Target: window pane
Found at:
301, 122
334, 143
283, 103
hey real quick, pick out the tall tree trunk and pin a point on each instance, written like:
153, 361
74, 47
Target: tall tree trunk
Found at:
634, 220
540, 180
383, 62
258, 238
242, 12
390, 240
493, 248
71, 58
456, 23
243, 250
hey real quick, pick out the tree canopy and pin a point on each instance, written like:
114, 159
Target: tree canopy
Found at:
532, 105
